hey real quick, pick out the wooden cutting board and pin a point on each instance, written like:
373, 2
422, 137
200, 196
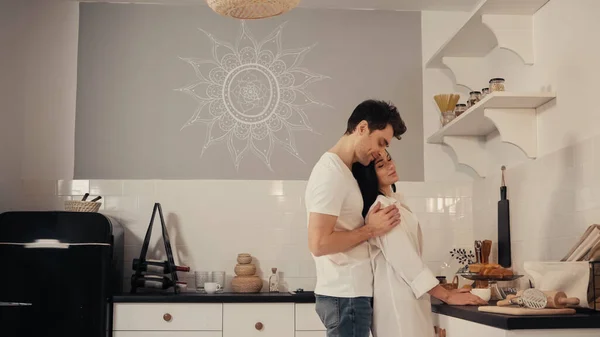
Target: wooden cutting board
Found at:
516, 311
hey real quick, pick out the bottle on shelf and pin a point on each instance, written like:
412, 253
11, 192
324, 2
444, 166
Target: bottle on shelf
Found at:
158, 267
274, 281
155, 282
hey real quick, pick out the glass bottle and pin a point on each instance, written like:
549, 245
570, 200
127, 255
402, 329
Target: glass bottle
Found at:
274, 281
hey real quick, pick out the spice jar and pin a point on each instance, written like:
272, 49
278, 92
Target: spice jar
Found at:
474, 97
460, 108
484, 92
496, 84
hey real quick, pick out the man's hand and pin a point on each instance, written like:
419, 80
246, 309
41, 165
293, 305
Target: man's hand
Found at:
464, 298
382, 220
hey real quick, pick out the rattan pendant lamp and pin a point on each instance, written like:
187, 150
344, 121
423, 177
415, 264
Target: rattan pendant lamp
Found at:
251, 9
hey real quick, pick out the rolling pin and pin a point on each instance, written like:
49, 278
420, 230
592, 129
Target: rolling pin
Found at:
556, 299
506, 302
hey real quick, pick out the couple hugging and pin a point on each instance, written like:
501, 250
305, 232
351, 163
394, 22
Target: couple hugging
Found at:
366, 243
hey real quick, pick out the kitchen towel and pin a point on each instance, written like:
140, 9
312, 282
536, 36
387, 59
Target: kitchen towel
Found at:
570, 277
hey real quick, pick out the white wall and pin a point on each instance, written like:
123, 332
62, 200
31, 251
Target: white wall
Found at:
440, 161
554, 198
39, 83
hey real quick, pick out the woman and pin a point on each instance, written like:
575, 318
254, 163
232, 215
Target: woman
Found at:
402, 281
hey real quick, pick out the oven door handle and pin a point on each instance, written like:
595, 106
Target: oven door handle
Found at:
15, 304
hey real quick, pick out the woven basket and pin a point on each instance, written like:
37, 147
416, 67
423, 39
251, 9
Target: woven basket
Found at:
252, 9
245, 269
246, 284
451, 286
244, 258
82, 206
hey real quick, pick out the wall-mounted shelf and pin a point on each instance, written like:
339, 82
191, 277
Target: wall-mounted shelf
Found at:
506, 24
512, 114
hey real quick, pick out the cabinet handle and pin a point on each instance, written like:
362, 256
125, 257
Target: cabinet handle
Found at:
258, 326
167, 317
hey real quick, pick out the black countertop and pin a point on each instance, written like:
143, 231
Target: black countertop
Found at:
581, 320
190, 297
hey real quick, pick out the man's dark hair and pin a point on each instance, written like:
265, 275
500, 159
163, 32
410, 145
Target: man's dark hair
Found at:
378, 114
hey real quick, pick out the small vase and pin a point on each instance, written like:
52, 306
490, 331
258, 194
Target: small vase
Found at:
274, 281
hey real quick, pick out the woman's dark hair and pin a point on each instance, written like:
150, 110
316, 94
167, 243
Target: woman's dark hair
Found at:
368, 184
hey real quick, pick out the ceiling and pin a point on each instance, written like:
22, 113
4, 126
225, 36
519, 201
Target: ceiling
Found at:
396, 5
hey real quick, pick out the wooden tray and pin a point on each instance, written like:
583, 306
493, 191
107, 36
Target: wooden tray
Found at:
517, 311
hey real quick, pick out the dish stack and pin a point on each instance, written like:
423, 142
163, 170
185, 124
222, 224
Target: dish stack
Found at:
246, 280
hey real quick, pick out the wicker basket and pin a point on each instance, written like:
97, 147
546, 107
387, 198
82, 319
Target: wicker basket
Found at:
451, 286
246, 284
252, 9
244, 258
82, 206
245, 269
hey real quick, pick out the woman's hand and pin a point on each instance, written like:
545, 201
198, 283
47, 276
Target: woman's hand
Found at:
459, 297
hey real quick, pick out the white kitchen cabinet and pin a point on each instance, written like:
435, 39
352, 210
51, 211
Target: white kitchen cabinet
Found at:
455, 327
307, 318
258, 320
167, 317
311, 333
167, 334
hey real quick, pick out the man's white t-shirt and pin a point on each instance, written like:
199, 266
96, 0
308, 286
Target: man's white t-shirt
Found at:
332, 190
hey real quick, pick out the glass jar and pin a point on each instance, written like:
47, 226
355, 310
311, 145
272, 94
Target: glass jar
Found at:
496, 84
447, 117
460, 108
474, 97
484, 92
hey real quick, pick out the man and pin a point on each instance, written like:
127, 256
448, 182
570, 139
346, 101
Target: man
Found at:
337, 232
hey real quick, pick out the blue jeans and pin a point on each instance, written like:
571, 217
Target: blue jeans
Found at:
345, 317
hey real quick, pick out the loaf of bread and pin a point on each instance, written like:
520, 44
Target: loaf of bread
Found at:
475, 268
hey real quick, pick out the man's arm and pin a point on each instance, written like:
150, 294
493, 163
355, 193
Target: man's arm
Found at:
324, 240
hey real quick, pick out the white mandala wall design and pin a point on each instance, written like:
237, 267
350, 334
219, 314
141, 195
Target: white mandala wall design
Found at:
252, 95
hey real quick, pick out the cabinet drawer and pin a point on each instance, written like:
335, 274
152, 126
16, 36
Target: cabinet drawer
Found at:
168, 334
167, 317
307, 318
272, 320
311, 333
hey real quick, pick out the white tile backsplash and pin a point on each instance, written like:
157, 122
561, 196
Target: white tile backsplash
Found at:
211, 221
552, 202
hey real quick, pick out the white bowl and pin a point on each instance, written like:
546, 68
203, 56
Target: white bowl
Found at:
484, 294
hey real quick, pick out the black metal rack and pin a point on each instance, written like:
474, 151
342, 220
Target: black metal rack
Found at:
168, 250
